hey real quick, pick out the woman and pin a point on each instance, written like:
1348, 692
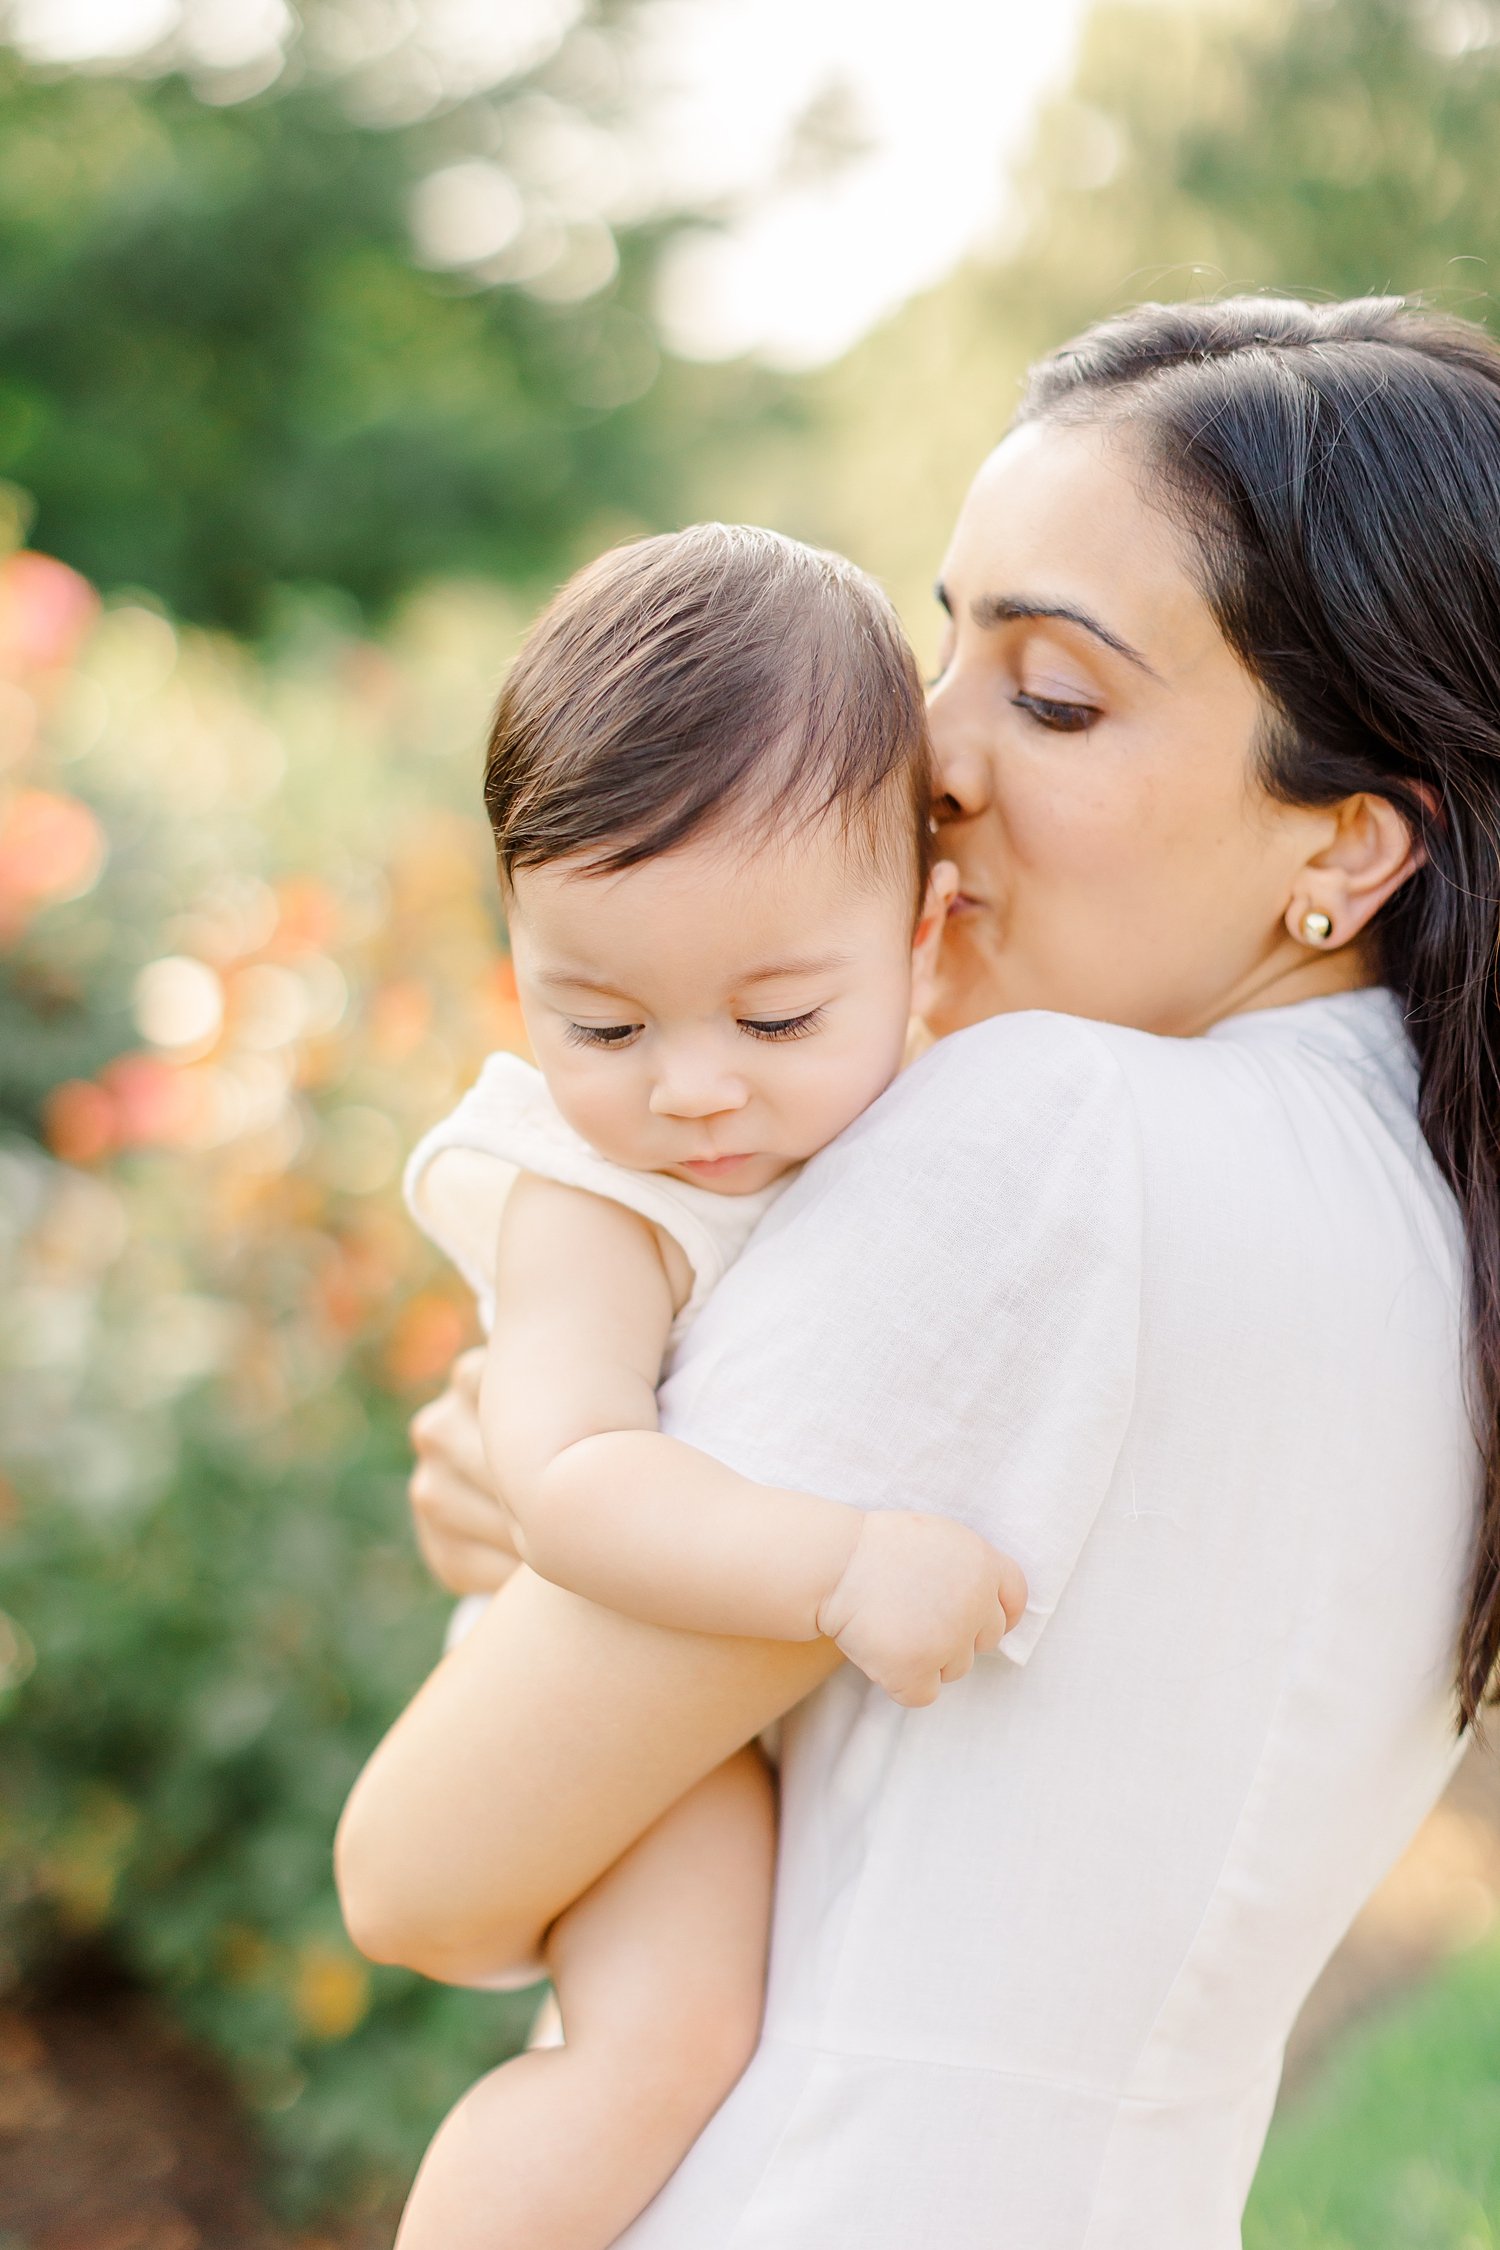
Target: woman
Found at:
1164, 1287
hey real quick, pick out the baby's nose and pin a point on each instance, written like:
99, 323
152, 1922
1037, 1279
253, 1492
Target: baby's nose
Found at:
686, 1090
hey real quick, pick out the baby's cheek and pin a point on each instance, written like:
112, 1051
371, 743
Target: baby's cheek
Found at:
603, 1109
846, 1085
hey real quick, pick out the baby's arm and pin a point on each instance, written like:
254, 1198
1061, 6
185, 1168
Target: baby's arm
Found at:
641, 1523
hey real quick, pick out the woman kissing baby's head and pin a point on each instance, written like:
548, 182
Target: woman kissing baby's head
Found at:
709, 781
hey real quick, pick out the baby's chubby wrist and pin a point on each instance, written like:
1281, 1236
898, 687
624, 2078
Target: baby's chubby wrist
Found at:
920, 1598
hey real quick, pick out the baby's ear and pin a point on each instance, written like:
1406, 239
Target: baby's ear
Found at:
942, 889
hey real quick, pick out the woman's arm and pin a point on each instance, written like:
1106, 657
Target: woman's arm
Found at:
537, 1752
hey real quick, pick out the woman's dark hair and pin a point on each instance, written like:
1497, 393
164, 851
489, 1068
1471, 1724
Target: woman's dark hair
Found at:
719, 676
1339, 466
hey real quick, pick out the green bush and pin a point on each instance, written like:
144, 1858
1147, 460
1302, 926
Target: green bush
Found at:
207, 1680
1398, 2145
219, 1032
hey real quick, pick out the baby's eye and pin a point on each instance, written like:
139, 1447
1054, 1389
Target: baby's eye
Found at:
602, 1034
782, 1027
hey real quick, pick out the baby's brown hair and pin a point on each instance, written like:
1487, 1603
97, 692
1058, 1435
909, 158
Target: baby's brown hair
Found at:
722, 673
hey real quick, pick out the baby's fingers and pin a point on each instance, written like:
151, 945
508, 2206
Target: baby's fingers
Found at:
1012, 1589
958, 1667
915, 1695
992, 1633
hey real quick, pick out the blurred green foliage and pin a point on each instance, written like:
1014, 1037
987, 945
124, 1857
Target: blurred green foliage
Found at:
247, 940
1398, 2146
223, 368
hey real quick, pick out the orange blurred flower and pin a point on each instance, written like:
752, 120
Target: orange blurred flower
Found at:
78, 1121
400, 1013
500, 1021
307, 916
426, 1334
137, 1101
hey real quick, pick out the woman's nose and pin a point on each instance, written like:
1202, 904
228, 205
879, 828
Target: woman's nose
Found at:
961, 765
696, 1089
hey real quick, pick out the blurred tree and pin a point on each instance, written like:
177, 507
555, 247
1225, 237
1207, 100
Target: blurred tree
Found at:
310, 336
1330, 147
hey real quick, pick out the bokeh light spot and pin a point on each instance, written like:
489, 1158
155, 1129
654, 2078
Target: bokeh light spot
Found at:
179, 1002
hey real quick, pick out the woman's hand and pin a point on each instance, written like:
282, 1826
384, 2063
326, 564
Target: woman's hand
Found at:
463, 1527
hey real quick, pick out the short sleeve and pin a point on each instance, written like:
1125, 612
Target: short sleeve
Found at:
942, 1313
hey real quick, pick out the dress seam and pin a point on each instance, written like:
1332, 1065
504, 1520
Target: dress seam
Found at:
1118, 2096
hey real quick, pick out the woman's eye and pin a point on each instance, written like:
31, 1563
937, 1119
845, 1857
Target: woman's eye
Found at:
1062, 718
602, 1034
782, 1027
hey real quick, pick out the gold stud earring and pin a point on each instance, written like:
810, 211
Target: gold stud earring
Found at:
1317, 927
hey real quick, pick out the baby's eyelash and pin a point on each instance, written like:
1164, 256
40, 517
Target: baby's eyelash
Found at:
602, 1034
784, 1027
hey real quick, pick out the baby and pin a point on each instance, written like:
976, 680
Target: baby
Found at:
708, 778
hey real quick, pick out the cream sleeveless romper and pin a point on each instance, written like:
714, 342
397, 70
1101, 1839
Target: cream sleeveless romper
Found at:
510, 1122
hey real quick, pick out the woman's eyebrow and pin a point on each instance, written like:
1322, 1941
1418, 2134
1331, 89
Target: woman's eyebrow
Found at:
1006, 609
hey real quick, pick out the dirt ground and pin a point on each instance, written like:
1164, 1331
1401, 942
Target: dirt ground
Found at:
117, 2135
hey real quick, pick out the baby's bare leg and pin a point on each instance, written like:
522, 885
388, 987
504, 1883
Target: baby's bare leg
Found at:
659, 1972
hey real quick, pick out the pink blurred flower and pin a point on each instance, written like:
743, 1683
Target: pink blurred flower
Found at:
157, 1105
45, 611
51, 847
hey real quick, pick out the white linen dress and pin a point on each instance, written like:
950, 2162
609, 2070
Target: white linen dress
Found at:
1178, 1323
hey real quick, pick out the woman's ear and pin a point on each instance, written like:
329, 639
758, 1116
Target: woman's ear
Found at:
942, 889
1372, 854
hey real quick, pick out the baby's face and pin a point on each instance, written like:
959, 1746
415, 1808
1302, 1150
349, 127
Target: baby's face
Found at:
718, 1013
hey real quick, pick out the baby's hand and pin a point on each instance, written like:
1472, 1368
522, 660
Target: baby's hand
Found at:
919, 1599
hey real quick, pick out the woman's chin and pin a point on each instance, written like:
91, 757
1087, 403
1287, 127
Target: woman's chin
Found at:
975, 972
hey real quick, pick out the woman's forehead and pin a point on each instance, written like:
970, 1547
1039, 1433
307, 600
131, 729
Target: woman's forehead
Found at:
1062, 516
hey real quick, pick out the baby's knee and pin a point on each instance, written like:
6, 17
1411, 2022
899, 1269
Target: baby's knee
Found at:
685, 2053
712, 2035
